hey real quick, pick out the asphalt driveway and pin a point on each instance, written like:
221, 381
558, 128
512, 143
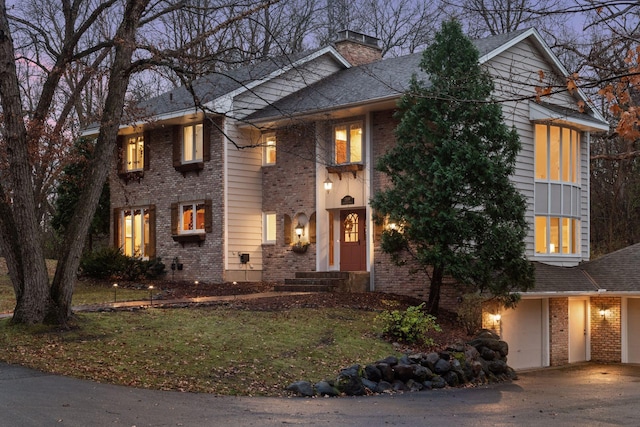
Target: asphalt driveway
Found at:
581, 395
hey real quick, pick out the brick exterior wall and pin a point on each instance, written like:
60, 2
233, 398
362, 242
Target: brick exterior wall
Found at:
288, 188
558, 331
387, 276
606, 334
358, 53
162, 185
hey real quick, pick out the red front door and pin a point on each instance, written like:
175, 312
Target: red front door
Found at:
353, 244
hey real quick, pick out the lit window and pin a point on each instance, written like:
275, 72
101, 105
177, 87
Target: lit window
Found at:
563, 235
269, 228
135, 232
557, 190
348, 143
269, 143
134, 153
192, 218
557, 154
192, 143
351, 228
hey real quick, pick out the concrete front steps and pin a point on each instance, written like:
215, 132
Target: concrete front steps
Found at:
326, 281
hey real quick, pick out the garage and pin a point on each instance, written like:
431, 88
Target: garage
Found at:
525, 329
633, 330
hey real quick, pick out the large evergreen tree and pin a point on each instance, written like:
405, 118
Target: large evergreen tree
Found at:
459, 214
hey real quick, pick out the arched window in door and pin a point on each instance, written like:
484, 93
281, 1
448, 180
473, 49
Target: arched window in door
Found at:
351, 228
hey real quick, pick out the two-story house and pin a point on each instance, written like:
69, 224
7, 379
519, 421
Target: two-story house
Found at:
268, 170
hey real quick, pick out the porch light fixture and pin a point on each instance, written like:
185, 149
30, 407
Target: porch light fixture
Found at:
496, 318
299, 229
328, 184
604, 312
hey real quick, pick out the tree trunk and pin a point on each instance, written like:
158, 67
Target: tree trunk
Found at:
66, 272
25, 256
433, 304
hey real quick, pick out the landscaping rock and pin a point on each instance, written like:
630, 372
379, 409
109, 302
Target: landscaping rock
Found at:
324, 388
442, 366
373, 373
349, 381
482, 360
301, 388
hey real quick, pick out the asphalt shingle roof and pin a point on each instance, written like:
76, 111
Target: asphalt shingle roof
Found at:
617, 271
213, 86
384, 79
551, 278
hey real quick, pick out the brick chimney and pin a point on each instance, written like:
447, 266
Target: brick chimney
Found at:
358, 48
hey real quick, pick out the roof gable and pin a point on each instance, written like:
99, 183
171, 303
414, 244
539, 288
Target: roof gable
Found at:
389, 78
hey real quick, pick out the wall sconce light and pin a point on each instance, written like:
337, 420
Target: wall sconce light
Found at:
603, 312
299, 231
496, 318
328, 184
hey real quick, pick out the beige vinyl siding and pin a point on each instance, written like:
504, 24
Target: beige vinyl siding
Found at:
244, 201
517, 75
283, 85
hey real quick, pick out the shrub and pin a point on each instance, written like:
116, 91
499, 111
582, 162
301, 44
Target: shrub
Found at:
110, 263
470, 312
410, 325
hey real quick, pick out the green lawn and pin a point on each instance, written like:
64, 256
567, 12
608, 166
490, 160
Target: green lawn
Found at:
214, 350
86, 291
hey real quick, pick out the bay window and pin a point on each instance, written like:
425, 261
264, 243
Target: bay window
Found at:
557, 190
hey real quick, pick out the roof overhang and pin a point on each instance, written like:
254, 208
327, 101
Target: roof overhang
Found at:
539, 42
334, 112
596, 293
540, 113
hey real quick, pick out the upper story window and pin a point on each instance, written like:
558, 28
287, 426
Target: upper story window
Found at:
192, 145
134, 153
269, 144
558, 195
133, 156
557, 154
348, 143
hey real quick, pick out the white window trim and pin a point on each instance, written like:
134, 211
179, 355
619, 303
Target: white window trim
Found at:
348, 147
266, 146
193, 144
194, 206
123, 231
265, 228
127, 160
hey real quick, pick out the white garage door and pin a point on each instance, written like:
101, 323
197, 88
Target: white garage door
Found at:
522, 330
633, 330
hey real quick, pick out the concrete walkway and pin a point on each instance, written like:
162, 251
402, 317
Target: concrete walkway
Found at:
165, 302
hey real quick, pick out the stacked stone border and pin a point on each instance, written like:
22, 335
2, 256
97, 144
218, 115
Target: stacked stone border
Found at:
482, 360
